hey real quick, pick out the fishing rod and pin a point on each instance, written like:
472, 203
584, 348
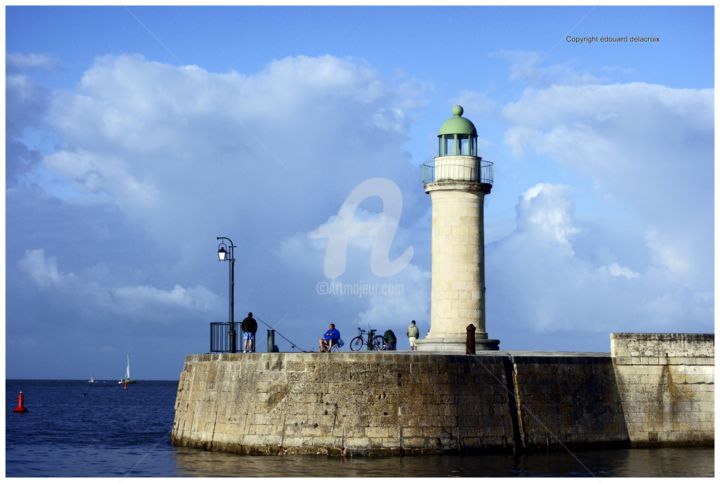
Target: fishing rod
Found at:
292, 344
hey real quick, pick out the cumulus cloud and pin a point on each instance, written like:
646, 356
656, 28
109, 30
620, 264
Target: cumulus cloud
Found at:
185, 154
26, 106
618, 271
42, 270
141, 302
539, 279
544, 208
93, 172
285, 130
648, 147
21, 62
648, 150
137, 298
182, 154
530, 68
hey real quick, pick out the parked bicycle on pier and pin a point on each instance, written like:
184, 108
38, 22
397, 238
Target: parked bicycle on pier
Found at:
373, 342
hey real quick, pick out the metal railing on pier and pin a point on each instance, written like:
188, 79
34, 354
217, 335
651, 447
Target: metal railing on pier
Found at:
220, 336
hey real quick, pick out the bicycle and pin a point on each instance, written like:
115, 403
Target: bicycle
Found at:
373, 342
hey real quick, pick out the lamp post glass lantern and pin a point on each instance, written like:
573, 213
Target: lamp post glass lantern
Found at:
226, 253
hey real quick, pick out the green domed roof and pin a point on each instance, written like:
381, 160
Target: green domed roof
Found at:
458, 124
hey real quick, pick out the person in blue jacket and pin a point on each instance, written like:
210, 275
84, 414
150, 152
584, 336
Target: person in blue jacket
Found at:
329, 339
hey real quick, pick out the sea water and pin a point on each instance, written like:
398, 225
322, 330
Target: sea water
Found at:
74, 428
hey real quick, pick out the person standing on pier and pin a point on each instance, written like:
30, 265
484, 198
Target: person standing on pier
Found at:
249, 327
413, 333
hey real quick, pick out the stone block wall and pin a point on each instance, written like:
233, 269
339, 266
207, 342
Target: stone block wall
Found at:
666, 383
368, 403
389, 403
571, 399
457, 263
656, 389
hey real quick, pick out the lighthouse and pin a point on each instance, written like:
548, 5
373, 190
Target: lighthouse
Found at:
457, 181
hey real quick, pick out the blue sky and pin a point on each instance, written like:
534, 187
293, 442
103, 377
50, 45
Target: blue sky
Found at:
135, 136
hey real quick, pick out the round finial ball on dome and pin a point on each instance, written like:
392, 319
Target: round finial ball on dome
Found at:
457, 125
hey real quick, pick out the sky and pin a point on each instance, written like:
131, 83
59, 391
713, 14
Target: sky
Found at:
135, 136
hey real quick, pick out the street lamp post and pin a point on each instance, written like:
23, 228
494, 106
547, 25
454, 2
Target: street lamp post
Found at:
226, 253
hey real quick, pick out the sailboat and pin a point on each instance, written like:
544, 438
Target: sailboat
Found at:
126, 380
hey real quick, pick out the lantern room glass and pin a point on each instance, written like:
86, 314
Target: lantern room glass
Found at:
457, 145
449, 146
464, 146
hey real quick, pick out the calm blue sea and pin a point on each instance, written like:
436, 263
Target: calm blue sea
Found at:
80, 429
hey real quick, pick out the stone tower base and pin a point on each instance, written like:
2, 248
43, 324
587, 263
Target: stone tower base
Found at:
455, 345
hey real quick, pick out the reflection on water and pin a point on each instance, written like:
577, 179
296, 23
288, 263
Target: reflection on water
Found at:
615, 462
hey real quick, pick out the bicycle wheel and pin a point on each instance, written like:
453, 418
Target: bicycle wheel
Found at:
378, 343
356, 344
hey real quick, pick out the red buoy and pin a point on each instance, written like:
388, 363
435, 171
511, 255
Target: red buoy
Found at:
125, 386
21, 404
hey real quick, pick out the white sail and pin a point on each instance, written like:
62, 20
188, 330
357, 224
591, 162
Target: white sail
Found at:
126, 379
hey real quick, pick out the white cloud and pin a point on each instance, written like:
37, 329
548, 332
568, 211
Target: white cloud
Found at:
537, 279
618, 271
141, 302
666, 255
649, 147
26, 105
163, 132
268, 157
544, 209
94, 172
43, 270
187, 154
527, 67
18, 61
138, 297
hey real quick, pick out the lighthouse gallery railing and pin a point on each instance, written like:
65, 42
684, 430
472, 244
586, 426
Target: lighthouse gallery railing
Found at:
460, 169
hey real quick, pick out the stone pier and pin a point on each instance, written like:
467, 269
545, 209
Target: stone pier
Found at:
383, 403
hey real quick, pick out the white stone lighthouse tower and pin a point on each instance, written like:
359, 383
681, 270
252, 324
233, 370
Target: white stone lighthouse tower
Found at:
457, 182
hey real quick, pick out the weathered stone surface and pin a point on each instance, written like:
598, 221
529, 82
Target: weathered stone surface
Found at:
458, 260
666, 384
681, 346
415, 403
